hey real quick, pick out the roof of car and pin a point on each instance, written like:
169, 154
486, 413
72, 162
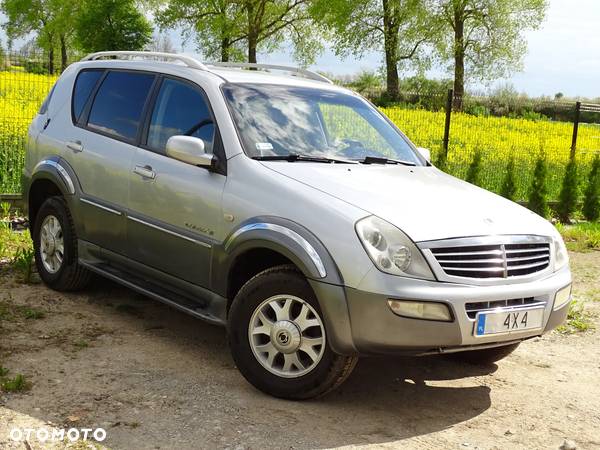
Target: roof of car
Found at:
229, 72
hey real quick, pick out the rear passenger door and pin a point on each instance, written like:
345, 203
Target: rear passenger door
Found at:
175, 207
107, 111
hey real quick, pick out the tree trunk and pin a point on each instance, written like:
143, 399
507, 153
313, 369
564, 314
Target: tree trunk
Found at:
252, 33
63, 53
390, 36
225, 49
459, 59
51, 61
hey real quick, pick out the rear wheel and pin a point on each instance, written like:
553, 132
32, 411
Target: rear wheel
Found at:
485, 356
55, 245
278, 340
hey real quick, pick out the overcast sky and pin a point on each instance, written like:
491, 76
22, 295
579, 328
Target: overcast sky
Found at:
563, 55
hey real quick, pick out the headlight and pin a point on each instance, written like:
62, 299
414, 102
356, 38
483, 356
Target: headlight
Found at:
391, 250
561, 256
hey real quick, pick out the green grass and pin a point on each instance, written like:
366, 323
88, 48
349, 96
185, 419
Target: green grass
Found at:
578, 319
81, 344
16, 384
584, 236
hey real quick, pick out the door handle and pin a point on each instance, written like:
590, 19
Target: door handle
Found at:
145, 172
76, 146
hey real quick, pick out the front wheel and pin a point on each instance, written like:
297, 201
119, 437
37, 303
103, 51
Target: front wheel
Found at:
278, 340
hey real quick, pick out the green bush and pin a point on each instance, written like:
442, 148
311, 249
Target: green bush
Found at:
591, 202
509, 185
474, 172
569, 194
538, 195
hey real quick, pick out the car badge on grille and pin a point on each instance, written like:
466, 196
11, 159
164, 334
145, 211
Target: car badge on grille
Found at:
488, 221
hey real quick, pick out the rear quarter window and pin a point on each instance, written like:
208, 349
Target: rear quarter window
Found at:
119, 104
84, 85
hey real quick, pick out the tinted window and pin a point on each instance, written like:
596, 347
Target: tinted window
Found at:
84, 85
119, 103
180, 109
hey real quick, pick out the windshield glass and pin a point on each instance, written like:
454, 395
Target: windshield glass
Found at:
275, 120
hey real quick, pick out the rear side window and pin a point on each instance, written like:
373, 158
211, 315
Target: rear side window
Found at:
44, 107
84, 85
180, 109
119, 103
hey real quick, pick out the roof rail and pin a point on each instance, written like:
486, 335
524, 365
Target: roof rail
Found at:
187, 60
293, 70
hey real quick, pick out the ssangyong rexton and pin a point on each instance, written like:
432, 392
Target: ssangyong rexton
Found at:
286, 208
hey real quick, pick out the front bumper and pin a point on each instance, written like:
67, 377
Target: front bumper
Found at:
368, 326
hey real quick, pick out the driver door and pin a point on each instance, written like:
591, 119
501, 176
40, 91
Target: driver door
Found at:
174, 208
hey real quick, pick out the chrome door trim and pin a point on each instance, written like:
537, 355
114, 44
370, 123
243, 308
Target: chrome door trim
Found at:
98, 205
172, 233
308, 248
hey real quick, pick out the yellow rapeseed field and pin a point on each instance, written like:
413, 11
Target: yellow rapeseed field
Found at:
497, 138
21, 95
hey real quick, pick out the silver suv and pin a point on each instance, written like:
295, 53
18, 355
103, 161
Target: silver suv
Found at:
286, 208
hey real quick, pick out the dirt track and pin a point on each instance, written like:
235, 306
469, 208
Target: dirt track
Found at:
156, 378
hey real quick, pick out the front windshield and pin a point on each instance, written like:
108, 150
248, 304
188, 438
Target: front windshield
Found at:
275, 120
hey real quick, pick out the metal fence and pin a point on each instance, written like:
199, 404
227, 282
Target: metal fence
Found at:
498, 130
568, 129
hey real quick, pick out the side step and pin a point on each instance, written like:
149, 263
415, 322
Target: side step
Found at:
146, 287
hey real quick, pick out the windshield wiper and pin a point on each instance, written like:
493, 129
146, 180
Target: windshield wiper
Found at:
293, 157
378, 160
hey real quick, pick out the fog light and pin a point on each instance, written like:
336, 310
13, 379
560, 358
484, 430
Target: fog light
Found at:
562, 297
421, 310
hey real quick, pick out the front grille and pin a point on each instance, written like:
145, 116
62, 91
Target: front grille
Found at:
474, 307
493, 261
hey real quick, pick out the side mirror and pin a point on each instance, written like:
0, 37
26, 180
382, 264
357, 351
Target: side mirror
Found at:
425, 153
189, 150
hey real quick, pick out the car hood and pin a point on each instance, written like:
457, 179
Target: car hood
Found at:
424, 202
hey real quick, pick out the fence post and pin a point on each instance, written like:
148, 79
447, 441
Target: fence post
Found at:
449, 101
575, 128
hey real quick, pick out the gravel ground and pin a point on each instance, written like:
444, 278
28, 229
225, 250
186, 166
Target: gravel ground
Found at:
156, 378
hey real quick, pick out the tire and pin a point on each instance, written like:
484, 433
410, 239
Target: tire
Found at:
323, 370
486, 356
59, 272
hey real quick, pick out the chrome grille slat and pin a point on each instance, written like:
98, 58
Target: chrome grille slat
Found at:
527, 258
473, 308
528, 250
528, 266
502, 260
482, 252
471, 261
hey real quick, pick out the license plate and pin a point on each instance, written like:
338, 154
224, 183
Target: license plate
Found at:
494, 322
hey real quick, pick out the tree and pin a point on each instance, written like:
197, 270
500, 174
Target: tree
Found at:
111, 25
509, 184
222, 26
50, 20
161, 43
397, 28
215, 24
569, 193
484, 37
591, 202
538, 195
